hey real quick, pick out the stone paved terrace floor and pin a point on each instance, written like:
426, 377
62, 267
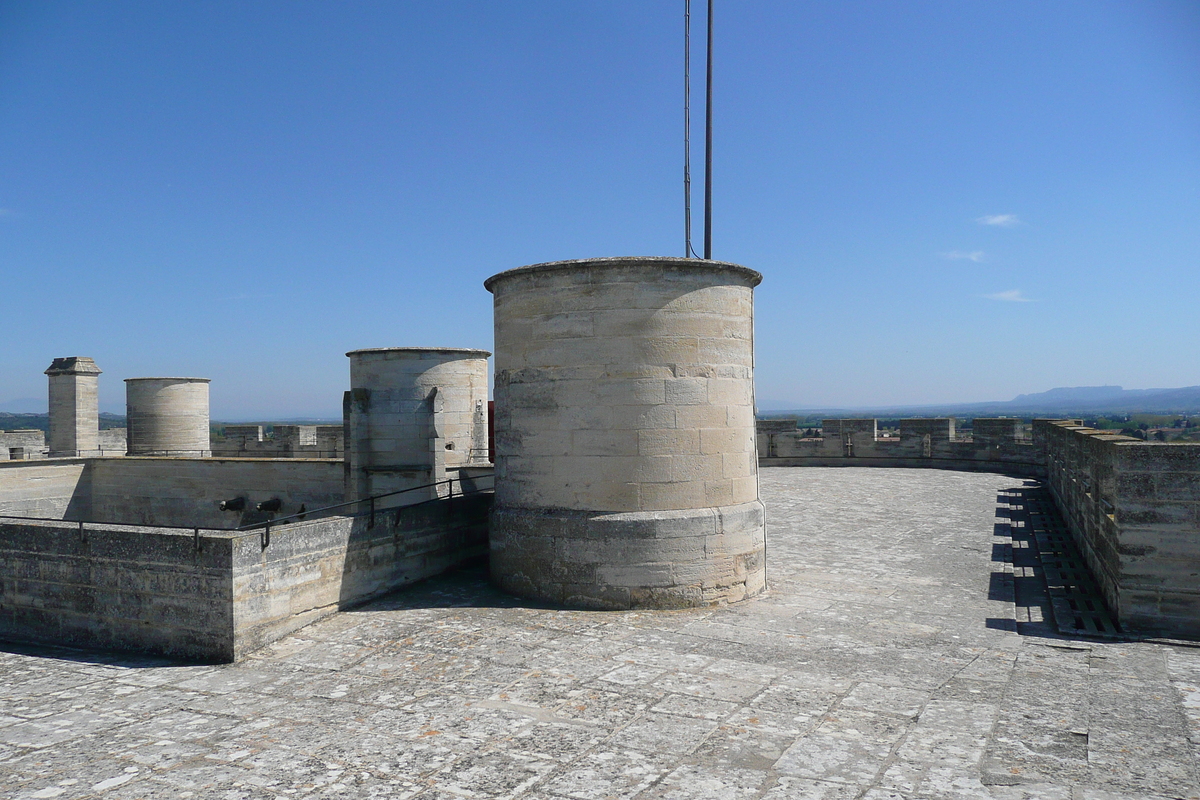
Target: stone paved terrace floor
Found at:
876, 667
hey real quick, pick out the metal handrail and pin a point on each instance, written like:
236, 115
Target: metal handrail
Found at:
304, 515
267, 524
280, 453
79, 523
103, 522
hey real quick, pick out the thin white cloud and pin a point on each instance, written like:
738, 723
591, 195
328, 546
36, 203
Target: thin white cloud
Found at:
1000, 220
956, 255
1011, 296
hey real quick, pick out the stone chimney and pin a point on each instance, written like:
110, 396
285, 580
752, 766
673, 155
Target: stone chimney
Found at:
74, 407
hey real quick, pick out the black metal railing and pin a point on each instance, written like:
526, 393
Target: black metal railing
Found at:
372, 506
265, 526
42, 453
79, 523
279, 452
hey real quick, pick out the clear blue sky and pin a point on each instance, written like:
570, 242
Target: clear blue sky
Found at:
949, 201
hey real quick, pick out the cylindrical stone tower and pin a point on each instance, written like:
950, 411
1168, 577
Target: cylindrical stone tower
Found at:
167, 417
411, 414
626, 472
74, 407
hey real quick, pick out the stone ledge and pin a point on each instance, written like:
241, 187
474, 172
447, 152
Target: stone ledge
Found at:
645, 559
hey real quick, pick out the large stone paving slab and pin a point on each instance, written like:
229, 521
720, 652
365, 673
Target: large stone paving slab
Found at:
888, 660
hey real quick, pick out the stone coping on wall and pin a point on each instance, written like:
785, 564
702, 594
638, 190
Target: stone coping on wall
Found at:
85, 459
753, 277
923, 443
468, 352
1030, 469
1133, 509
167, 490
216, 595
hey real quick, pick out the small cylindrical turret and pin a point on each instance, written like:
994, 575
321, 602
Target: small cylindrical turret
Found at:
167, 417
412, 413
626, 472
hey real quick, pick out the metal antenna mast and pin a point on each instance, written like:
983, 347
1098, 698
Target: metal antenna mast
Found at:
687, 129
708, 142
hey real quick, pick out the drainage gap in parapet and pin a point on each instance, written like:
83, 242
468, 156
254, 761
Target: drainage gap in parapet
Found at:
1075, 599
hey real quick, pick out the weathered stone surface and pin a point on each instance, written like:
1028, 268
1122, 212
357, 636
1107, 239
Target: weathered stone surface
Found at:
625, 410
993, 447
411, 414
875, 667
217, 595
636, 559
1133, 509
74, 407
286, 441
167, 417
25, 444
166, 491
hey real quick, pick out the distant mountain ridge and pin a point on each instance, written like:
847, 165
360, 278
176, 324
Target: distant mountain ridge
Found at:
1061, 401
1072, 394
1115, 398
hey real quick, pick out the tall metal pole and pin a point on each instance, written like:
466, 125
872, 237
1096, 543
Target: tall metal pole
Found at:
708, 142
687, 128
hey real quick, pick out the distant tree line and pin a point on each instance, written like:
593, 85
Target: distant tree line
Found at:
41, 422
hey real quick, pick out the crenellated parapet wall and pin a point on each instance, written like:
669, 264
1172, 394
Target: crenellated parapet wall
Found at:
23, 445
1133, 509
287, 441
30, 445
998, 445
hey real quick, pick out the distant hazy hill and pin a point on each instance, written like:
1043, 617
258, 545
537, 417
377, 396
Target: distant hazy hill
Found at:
1072, 395
1112, 398
1061, 402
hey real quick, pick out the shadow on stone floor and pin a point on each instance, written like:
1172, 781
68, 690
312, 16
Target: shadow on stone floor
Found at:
1021, 511
466, 586
103, 658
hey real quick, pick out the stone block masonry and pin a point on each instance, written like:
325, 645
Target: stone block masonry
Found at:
624, 429
23, 445
879, 667
188, 491
996, 431
217, 595
30, 445
412, 414
50, 489
167, 417
74, 406
165, 491
996, 446
287, 441
1133, 509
